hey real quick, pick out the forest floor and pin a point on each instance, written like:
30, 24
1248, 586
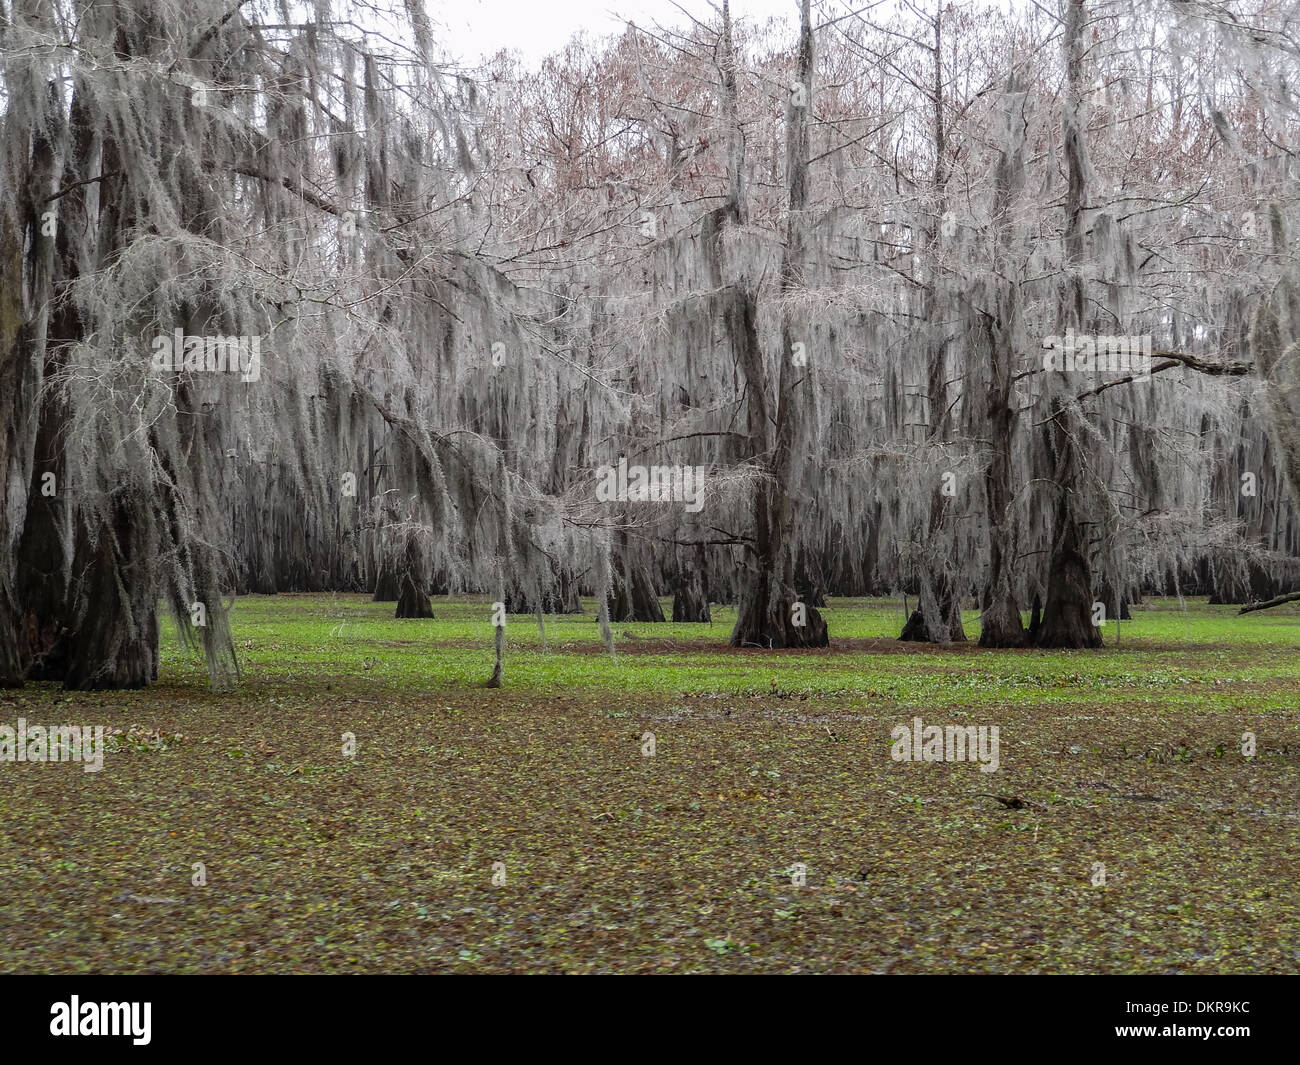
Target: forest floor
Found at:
770, 830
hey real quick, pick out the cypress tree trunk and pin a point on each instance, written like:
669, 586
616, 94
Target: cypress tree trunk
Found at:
809, 583
1000, 622
1067, 617
634, 597
946, 605
43, 593
517, 602
11, 669
766, 615
42, 589
387, 586
114, 641
413, 602
939, 594
691, 601
944, 599
568, 600
413, 595
769, 614
13, 434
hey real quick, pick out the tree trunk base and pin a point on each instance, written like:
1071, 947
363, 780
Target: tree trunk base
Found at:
387, 587
11, 667
777, 630
413, 602
635, 600
112, 645
1001, 627
691, 601
917, 630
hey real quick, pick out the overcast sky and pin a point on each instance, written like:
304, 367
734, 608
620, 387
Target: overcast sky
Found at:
536, 28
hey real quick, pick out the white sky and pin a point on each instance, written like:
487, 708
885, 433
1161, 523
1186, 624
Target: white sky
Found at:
535, 28
475, 29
